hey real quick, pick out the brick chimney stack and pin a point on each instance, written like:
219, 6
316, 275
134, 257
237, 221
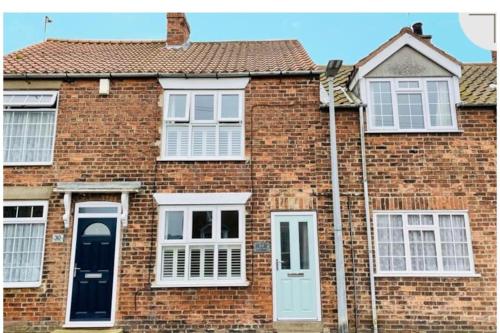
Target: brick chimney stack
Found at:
494, 57
177, 29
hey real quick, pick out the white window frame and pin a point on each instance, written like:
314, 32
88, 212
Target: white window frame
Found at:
188, 242
35, 108
21, 220
422, 90
167, 96
406, 228
217, 123
240, 105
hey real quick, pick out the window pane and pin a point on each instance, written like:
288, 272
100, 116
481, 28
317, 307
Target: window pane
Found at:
202, 225
24, 211
9, 211
408, 84
390, 238
204, 141
177, 106
303, 245
204, 107
229, 224
37, 211
97, 229
285, 245
230, 106
439, 103
454, 243
174, 224
230, 139
177, 140
94, 210
28, 136
23, 246
382, 113
411, 114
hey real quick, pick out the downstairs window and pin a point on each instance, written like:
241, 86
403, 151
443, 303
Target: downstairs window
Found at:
201, 246
23, 242
423, 243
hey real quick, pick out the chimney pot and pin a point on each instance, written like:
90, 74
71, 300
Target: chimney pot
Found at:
417, 28
494, 57
177, 29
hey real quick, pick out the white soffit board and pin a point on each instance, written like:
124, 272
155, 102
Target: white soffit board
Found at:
407, 39
230, 198
204, 83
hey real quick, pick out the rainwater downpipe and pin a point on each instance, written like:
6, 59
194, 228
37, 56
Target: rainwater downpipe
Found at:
367, 217
331, 71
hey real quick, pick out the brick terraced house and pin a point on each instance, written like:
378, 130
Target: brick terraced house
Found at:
174, 186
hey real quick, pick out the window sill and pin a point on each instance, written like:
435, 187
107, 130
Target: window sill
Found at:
422, 131
27, 164
428, 275
200, 158
22, 284
200, 283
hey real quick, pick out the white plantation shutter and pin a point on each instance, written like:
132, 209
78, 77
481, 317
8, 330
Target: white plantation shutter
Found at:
229, 262
202, 262
203, 141
230, 138
177, 140
173, 262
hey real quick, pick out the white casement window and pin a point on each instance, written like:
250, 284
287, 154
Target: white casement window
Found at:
428, 243
24, 224
411, 105
201, 246
29, 127
203, 125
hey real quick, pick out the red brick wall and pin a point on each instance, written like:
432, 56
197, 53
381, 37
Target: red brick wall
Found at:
424, 171
115, 138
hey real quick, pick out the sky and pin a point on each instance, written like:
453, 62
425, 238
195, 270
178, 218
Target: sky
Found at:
325, 36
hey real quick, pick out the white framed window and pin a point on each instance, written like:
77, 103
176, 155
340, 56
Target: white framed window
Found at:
201, 246
411, 105
203, 125
423, 243
24, 224
29, 127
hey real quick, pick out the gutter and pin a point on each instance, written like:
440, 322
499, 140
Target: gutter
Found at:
155, 75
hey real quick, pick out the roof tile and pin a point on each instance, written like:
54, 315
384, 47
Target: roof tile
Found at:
81, 56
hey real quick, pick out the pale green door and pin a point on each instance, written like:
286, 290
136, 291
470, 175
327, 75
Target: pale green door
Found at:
295, 267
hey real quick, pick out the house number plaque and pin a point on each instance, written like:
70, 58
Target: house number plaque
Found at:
57, 238
261, 246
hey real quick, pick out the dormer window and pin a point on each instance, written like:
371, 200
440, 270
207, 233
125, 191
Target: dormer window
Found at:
411, 104
408, 85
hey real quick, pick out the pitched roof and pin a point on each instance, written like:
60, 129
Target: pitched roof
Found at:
475, 84
403, 31
81, 56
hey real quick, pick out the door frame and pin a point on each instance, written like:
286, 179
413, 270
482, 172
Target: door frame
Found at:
316, 253
111, 322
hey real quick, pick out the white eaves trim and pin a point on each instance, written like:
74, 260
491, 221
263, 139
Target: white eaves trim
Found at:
407, 39
229, 198
238, 83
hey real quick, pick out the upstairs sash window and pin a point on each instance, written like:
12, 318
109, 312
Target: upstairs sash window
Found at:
29, 127
203, 125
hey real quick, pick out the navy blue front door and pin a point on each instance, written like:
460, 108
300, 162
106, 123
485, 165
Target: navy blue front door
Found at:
93, 270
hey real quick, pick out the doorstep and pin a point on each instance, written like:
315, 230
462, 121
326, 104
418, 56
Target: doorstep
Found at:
88, 330
293, 326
